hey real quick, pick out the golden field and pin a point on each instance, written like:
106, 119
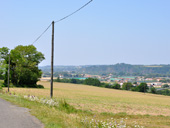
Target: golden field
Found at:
103, 100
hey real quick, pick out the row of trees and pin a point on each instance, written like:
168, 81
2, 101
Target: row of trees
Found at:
88, 81
163, 92
129, 86
24, 62
74, 81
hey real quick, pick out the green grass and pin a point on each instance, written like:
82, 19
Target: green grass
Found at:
79, 101
52, 117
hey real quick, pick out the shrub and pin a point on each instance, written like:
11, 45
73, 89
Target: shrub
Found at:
92, 81
58, 79
143, 87
107, 86
2, 84
153, 90
134, 89
127, 86
116, 86
40, 86
164, 92
30, 86
165, 86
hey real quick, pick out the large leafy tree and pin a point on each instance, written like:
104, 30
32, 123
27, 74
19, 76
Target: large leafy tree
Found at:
116, 86
3, 61
24, 65
127, 86
143, 87
92, 81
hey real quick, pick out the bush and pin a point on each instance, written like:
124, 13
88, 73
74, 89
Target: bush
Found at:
127, 86
40, 86
164, 92
2, 84
153, 90
134, 89
107, 86
143, 87
92, 81
30, 86
116, 86
58, 79
165, 86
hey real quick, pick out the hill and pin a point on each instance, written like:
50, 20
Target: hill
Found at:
117, 69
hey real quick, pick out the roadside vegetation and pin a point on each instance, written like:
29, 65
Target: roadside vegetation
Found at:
1, 84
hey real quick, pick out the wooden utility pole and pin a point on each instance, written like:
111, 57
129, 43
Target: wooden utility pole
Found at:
8, 71
52, 59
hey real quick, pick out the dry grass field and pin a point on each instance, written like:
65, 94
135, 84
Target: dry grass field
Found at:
103, 100
148, 110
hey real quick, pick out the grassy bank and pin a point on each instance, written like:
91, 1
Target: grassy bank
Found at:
95, 103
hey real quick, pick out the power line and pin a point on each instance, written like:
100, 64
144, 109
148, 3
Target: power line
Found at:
61, 20
73, 12
42, 34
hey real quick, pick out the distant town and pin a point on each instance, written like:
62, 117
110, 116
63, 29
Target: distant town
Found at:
154, 75
156, 82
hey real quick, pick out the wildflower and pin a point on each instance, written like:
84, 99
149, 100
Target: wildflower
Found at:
49, 102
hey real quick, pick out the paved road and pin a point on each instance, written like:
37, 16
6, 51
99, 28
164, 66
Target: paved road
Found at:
12, 116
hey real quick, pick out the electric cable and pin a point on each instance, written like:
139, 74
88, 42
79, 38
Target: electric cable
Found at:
74, 12
61, 20
42, 34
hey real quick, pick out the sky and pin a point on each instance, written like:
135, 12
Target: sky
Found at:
104, 32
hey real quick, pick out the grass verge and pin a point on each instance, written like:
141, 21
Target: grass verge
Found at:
66, 116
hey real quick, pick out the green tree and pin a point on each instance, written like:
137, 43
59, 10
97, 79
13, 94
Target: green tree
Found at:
165, 86
92, 81
24, 65
153, 90
4, 51
106, 85
58, 79
116, 86
135, 82
127, 86
143, 87
73, 81
4, 58
164, 92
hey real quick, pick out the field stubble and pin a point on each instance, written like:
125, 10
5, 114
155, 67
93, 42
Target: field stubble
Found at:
104, 100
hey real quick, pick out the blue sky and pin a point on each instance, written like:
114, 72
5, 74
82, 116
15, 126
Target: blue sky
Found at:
105, 32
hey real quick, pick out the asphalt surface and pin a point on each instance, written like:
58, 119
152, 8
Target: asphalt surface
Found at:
12, 116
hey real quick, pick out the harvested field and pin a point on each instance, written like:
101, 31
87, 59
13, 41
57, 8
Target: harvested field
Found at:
104, 100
